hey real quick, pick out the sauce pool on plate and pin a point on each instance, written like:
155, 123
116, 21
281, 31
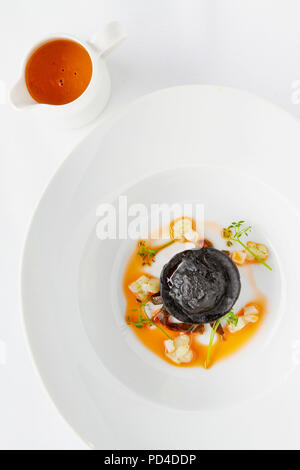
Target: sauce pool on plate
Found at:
58, 72
153, 339
186, 311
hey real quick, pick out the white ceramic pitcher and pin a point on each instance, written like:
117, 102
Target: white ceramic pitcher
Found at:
87, 107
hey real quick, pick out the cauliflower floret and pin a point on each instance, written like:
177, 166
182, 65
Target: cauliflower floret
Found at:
239, 326
144, 286
178, 350
151, 309
170, 346
251, 315
182, 230
259, 249
239, 257
153, 285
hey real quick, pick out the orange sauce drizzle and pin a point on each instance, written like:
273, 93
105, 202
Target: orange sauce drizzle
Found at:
153, 338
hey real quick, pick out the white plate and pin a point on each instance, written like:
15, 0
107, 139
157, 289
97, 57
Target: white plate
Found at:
113, 392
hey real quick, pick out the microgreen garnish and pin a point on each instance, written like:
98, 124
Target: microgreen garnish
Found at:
230, 318
234, 232
148, 254
143, 319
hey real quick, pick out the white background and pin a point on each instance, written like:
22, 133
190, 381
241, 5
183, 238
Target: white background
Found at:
249, 44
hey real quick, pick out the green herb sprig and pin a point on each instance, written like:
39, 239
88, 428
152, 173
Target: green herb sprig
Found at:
148, 254
144, 320
230, 318
234, 233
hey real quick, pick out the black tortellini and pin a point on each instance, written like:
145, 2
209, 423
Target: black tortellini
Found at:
200, 285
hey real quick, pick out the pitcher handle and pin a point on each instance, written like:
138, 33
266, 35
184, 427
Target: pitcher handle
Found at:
107, 39
19, 95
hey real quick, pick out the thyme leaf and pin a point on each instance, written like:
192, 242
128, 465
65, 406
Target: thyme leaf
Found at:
235, 232
148, 254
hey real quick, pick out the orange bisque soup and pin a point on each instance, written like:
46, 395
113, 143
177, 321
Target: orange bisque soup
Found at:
58, 72
153, 338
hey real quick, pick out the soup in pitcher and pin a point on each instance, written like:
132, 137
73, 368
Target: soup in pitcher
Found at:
58, 72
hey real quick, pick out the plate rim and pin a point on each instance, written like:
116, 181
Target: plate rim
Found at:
104, 125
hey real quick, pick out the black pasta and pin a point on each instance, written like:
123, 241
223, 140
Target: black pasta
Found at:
200, 285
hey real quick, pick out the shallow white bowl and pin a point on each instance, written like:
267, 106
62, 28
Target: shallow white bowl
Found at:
212, 145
